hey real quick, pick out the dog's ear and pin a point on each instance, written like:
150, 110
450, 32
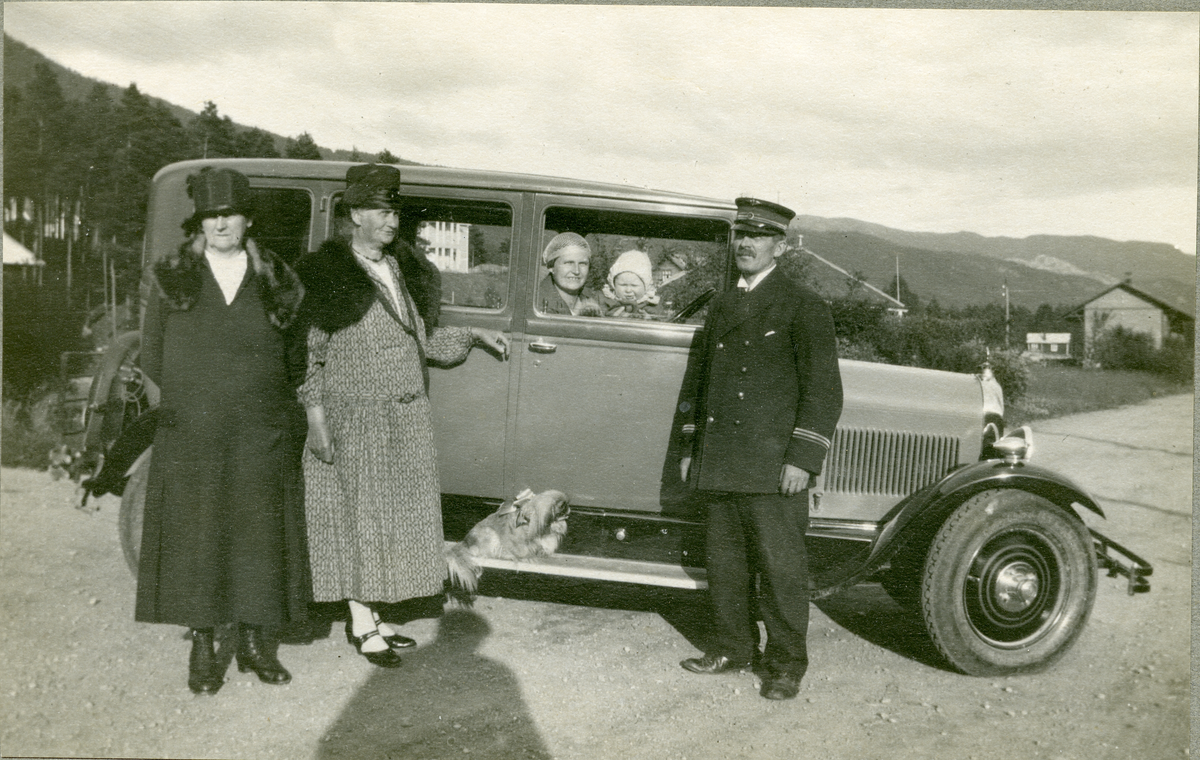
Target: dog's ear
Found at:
507, 507
525, 507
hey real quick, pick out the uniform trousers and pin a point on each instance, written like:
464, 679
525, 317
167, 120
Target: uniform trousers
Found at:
759, 537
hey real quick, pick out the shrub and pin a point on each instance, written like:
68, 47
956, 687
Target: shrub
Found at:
1122, 348
31, 429
1176, 360
861, 351
1012, 372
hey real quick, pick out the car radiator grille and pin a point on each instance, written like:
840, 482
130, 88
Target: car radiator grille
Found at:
867, 461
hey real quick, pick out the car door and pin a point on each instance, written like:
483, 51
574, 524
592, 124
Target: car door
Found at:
597, 395
470, 234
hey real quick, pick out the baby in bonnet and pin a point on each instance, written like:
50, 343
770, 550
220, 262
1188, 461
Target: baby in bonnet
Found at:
629, 291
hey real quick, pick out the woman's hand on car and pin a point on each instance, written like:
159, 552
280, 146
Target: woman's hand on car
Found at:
494, 340
319, 442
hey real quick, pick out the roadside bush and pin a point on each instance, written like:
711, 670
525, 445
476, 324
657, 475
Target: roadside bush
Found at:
1176, 360
31, 429
954, 344
1012, 372
863, 352
1122, 348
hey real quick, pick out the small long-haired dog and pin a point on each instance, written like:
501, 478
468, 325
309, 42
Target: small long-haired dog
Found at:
527, 526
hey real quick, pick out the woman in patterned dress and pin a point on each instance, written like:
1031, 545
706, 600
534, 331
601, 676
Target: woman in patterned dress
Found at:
373, 500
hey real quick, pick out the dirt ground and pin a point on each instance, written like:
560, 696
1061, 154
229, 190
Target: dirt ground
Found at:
545, 668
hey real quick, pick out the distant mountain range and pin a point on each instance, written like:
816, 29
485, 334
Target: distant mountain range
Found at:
963, 267
956, 269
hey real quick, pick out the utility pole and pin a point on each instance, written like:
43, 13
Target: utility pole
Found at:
897, 278
1006, 324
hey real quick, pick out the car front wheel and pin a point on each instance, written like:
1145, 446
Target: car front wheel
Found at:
1008, 583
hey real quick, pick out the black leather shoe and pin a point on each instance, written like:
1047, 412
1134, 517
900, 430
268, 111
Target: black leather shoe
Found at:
781, 686
711, 664
384, 659
254, 654
395, 641
204, 676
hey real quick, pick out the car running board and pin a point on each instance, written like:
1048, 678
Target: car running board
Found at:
603, 569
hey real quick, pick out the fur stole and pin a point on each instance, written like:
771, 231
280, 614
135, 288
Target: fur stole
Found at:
179, 278
339, 292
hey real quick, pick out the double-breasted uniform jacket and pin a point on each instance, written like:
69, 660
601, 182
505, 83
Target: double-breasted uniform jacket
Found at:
764, 389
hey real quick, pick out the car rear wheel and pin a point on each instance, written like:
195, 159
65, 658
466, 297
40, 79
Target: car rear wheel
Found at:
1008, 584
133, 504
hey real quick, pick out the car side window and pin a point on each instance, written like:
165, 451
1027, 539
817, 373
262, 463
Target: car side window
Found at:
282, 219
470, 241
684, 259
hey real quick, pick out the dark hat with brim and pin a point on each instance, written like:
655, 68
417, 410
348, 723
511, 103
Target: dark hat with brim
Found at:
372, 186
217, 192
754, 215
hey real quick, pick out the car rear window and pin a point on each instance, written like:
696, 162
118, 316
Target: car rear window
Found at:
688, 255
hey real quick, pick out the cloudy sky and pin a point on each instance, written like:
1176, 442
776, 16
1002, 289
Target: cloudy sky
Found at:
997, 122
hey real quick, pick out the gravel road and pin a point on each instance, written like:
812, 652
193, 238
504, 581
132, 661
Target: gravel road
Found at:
545, 668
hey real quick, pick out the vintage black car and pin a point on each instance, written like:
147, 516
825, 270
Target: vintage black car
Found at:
990, 548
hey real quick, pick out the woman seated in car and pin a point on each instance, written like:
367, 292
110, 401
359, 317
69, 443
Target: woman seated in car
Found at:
563, 291
629, 291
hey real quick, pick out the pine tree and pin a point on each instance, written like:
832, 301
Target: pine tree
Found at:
303, 147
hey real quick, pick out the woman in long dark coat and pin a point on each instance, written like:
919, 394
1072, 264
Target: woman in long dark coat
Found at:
372, 490
223, 532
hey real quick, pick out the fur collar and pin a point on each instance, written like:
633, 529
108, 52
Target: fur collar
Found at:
179, 276
339, 292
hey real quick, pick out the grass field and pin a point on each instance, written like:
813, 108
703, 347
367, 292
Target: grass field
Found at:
1055, 390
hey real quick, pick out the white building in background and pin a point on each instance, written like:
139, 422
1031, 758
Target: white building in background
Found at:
1048, 345
447, 245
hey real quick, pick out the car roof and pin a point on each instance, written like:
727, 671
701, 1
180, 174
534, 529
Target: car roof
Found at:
439, 176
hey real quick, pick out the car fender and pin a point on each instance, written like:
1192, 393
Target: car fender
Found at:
918, 516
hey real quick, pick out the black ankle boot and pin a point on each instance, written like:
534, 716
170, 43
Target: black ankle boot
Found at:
204, 676
254, 653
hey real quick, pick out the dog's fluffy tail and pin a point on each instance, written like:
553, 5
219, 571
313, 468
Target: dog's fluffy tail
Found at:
464, 572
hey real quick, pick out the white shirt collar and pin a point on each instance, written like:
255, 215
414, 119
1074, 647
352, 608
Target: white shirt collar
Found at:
752, 283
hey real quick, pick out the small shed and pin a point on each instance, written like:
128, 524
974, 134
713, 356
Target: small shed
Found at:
16, 254
1123, 305
1048, 345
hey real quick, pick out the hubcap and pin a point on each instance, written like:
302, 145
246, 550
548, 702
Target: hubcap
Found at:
1014, 589
1016, 586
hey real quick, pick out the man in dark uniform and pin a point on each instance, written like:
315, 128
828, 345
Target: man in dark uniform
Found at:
757, 420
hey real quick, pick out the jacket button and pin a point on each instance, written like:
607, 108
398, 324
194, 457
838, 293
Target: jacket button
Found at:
747, 343
741, 395
710, 419
743, 369
737, 422
720, 345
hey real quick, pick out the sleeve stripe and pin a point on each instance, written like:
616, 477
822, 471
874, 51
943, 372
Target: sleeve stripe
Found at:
689, 429
809, 435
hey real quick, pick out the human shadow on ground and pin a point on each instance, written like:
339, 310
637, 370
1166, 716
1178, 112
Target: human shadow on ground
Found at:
869, 613
446, 700
687, 611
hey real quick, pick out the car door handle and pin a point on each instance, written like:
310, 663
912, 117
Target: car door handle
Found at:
541, 347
